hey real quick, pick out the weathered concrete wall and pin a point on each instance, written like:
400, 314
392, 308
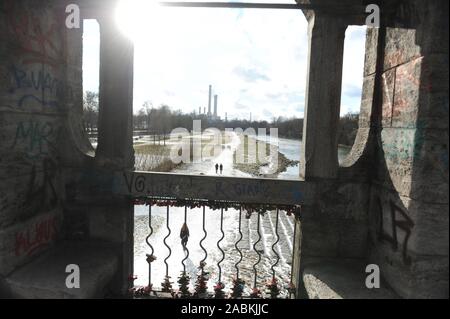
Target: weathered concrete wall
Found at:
44, 151
389, 201
33, 95
409, 195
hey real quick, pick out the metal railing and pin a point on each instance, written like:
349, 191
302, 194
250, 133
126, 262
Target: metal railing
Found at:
270, 282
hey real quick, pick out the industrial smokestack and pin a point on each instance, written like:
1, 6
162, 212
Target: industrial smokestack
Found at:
199, 110
209, 100
215, 106
204, 110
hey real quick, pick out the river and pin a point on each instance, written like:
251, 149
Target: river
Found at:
291, 149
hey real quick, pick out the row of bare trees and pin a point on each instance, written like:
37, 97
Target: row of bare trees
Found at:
162, 120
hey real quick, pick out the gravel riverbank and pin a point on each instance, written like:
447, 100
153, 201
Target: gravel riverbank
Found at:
272, 164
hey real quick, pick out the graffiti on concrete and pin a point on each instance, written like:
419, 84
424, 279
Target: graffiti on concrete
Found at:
35, 35
398, 220
37, 138
34, 77
43, 191
418, 145
209, 187
140, 183
37, 80
400, 147
242, 189
37, 86
413, 76
38, 235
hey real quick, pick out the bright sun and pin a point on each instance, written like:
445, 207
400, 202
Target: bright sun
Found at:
136, 18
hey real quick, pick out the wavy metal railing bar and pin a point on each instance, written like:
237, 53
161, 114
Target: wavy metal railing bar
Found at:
237, 243
275, 243
204, 237
275, 247
150, 245
293, 256
259, 254
185, 247
165, 243
218, 245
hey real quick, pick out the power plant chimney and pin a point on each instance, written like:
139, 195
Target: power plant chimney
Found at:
209, 100
199, 110
215, 106
204, 110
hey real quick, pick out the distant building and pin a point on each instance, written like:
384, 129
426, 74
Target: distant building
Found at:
209, 100
210, 115
215, 106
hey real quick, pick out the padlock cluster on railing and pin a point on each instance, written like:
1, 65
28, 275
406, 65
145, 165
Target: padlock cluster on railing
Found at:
249, 208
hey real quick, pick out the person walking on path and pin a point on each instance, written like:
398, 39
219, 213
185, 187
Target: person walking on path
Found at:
221, 168
217, 167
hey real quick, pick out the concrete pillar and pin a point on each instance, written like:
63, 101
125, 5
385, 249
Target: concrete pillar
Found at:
319, 158
115, 137
323, 95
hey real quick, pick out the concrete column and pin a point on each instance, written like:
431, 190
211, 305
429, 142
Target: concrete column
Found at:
115, 138
323, 95
319, 158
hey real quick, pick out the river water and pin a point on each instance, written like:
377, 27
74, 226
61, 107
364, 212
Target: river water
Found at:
291, 149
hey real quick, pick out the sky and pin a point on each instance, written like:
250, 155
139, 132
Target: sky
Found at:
255, 59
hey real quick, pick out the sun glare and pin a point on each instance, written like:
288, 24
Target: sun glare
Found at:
136, 18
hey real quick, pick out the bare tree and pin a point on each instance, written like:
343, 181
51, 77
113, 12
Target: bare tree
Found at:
90, 111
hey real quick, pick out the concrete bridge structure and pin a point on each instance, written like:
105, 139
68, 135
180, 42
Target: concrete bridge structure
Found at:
63, 203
